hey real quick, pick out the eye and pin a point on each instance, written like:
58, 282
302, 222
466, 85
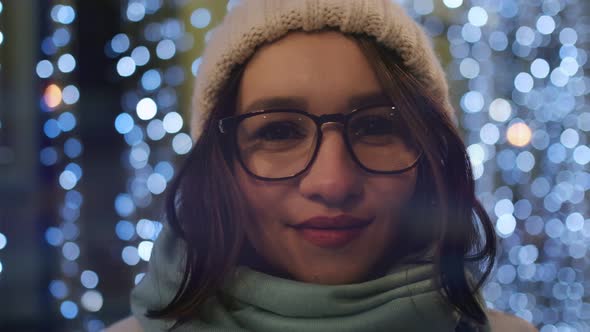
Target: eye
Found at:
373, 125
278, 131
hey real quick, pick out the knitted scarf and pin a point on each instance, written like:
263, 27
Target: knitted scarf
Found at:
404, 299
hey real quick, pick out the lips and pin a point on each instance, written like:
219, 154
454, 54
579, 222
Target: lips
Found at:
338, 222
332, 233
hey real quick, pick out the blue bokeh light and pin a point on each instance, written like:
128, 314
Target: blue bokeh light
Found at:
139, 277
44, 69
69, 309
130, 255
134, 136
182, 143
58, 289
66, 63
124, 205
498, 41
89, 279
477, 16
195, 66
92, 300
523, 82
54, 236
126, 66
469, 68
172, 29
70, 251
151, 80
51, 128
125, 230
66, 15
48, 47
172, 122
581, 155
165, 49
200, 18
135, 11
471, 33
141, 55
70, 94
68, 180
568, 36
72, 148
66, 121
166, 169
124, 123
48, 156
156, 183
545, 24
155, 130
120, 43
540, 68
525, 36
3, 241
61, 37
423, 7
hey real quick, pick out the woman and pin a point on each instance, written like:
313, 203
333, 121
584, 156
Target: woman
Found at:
328, 188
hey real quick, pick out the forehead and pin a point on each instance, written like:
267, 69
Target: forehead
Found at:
320, 72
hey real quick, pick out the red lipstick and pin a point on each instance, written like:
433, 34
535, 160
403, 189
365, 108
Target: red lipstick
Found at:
332, 232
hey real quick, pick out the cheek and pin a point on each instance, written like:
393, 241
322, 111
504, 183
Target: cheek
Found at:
263, 200
256, 193
392, 192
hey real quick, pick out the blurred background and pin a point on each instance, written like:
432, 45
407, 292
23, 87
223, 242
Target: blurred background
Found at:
94, 103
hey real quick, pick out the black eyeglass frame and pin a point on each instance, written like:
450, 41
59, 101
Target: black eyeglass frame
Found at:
229, 125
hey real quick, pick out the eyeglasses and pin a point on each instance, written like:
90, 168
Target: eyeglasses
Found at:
280, 144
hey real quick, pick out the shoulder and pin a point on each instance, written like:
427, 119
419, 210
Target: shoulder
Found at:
503, 322
129, 324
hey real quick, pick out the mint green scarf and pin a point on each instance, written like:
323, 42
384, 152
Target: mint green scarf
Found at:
405, 299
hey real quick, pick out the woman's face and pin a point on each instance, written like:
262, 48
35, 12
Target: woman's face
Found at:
324, 72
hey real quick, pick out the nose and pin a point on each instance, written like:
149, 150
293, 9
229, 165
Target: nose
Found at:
334, 179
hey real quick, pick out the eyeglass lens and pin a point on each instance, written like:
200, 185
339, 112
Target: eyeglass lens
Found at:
281, 144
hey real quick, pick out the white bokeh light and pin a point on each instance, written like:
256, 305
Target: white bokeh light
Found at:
144, 250
92, 300
146, 109
126, 66
500, 110
540, 68
172, 122
182, 143
66, 63
453, 3
477, 16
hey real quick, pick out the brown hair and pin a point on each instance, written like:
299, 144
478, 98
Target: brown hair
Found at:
204, 203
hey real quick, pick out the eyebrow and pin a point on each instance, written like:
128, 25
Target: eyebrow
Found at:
297, 102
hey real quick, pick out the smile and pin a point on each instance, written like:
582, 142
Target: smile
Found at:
330, 237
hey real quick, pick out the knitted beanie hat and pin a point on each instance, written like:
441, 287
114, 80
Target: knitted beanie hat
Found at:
252, 23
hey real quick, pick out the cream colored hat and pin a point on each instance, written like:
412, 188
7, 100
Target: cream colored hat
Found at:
254, 22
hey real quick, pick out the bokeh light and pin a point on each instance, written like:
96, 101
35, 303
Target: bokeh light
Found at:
3, 241
519, 134
200, 18
52, 95
518, 74
59, 100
